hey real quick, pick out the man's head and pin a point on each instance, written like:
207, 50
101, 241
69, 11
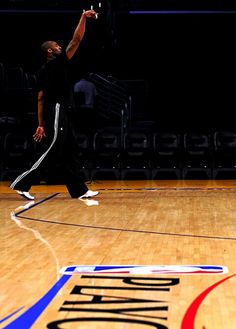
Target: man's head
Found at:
50, 49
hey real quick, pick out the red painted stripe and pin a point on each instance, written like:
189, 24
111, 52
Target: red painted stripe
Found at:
190, 315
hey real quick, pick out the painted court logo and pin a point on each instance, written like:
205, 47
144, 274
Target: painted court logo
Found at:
138, 269
126, 276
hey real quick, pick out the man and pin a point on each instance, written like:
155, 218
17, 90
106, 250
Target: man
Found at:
89, 90
55, 100
85, 94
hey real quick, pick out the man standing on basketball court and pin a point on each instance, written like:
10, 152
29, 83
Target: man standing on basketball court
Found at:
55, 100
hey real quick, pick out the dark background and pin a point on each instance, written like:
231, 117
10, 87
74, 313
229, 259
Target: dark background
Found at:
183, 64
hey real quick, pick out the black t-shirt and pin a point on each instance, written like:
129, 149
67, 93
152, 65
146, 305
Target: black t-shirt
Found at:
53, 80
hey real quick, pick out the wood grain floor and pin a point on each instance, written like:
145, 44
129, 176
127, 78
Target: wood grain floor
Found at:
142, 223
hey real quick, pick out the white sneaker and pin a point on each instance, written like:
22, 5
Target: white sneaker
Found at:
26, 195
90, 202
89, 194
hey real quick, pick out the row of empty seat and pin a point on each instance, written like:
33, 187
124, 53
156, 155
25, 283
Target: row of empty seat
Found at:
17, 91
137, 155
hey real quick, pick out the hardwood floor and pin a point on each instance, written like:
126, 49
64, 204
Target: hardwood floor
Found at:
174, 240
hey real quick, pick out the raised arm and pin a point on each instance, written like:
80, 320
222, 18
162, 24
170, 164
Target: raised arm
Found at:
79, 33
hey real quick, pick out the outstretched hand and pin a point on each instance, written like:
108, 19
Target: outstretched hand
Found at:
39, 134
91, 13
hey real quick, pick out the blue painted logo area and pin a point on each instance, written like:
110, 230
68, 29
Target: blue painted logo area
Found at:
28, 318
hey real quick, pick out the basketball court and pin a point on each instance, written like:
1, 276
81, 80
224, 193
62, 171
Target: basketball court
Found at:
149, 254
